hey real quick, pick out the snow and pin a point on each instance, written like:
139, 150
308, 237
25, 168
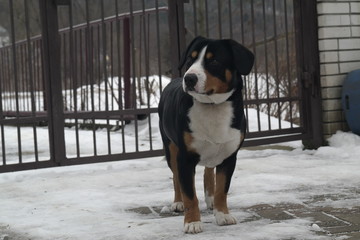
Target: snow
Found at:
94, 201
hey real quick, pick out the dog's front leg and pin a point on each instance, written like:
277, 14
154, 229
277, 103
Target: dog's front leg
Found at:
209, 187
186, 171
224, 173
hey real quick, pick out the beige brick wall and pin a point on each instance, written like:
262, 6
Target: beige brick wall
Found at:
339, 46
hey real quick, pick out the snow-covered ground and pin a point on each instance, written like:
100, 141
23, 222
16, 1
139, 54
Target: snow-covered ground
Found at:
94, 201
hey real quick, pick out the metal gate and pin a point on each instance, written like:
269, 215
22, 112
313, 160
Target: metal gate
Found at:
80, 79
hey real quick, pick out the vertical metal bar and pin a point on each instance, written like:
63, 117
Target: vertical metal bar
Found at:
149, 95
177, 34
266, 64
41, 71
219, 18
64, 69
69, 80
104, 48
147, 70
230, 19
308, 61
21, 67
30, 58
83, 77
38, 75
127, 65
10, 85
93, 82
98, 58
118, 45
35, 77
36, 67
255, 65
22, 91
76, 73
207, 17
133, 62
112, 65
195, 18
15, 74
245, 78
3, 149
73, 72
51, 63
6, 81
90, 67
276, 62
158, 45
277, 80
5, 76
2, 80
138, 69
33, 70
120, 85
304, 102
288, 61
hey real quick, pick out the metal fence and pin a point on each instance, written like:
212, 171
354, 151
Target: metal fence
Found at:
80, 79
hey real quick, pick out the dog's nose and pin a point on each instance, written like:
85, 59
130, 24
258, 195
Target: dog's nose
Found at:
190, 81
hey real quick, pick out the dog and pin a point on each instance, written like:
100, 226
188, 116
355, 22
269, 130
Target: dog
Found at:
202, 122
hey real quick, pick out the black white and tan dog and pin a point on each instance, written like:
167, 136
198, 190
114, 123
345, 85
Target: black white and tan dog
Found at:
202, 122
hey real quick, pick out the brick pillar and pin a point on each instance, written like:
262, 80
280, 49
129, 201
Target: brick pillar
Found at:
339, 46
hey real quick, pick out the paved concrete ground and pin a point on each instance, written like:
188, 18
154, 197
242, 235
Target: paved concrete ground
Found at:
335, 222
331, 222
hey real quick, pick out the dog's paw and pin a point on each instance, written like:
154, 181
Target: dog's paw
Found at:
193, 227
224, 219
177, 207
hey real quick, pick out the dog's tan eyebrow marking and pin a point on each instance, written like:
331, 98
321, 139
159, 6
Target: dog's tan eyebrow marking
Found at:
209, 55
228, 75
194, 54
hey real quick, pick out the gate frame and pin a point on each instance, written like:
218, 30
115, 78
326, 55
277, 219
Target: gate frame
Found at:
308, 65
51, 63
308, 69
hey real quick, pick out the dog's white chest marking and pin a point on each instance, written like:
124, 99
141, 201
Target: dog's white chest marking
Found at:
213, 137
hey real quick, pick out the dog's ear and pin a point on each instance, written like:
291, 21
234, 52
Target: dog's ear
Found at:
243, 58
188, 49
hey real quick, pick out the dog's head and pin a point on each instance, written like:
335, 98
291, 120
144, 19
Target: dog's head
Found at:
213, 68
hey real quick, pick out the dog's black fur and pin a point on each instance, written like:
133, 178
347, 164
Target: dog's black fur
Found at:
184, 101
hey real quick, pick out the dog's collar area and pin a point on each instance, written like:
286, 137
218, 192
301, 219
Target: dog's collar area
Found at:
215, 98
